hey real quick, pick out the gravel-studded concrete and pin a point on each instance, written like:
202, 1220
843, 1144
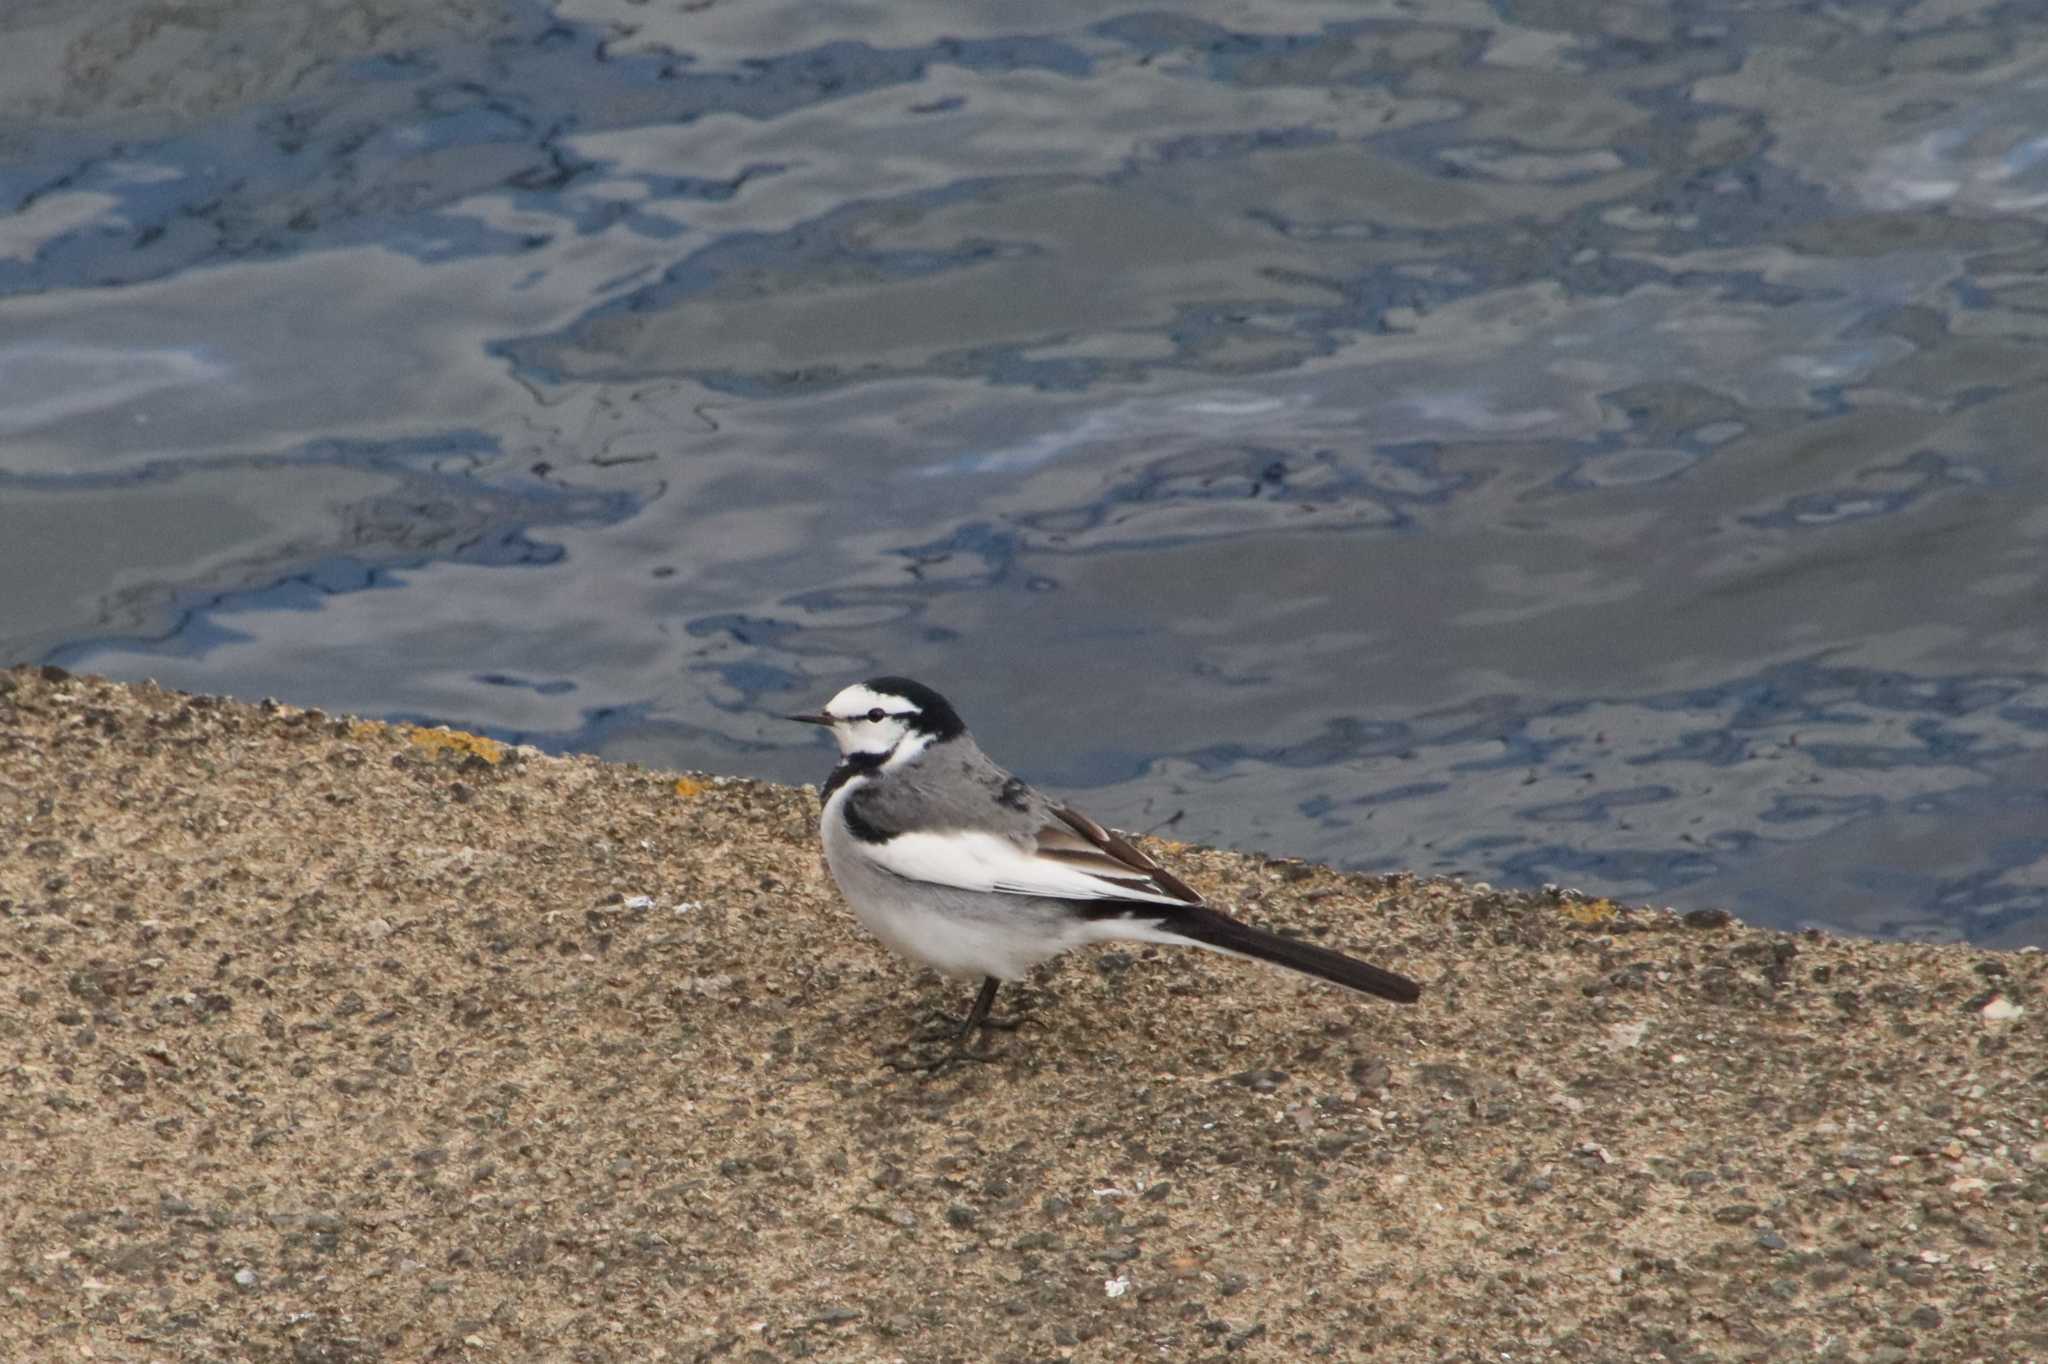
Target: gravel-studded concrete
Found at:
322, 1041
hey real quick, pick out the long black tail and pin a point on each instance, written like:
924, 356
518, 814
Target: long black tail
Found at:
1208, 928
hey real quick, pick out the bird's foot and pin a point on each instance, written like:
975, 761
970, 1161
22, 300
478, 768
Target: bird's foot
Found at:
940, 1030
939, 1026
918, 1057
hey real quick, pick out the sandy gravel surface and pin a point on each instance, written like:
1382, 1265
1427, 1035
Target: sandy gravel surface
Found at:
323, 1041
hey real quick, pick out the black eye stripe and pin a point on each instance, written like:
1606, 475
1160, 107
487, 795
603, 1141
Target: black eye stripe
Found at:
874, 715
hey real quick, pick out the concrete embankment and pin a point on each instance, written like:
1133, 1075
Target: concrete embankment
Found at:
323, 1040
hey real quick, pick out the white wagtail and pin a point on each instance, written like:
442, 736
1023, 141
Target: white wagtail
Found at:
953, 862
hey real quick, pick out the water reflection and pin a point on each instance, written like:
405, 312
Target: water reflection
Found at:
1540, 448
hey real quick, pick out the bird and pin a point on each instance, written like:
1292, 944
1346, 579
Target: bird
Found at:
956, 863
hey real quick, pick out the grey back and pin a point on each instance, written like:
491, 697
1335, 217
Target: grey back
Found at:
952, 785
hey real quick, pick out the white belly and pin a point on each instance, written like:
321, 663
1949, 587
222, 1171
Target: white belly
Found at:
962, 933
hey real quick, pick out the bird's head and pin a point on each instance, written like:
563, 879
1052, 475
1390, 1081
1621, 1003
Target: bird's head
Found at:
887, 718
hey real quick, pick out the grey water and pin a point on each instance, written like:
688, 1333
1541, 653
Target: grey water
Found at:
1593, 444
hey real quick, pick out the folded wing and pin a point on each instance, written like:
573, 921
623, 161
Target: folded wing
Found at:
1070, 858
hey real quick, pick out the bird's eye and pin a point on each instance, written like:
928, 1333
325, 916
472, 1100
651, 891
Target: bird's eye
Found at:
877, 715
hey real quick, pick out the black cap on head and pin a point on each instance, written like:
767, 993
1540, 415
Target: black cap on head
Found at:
935, 714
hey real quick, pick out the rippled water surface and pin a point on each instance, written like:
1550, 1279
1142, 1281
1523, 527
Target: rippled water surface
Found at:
1556, 442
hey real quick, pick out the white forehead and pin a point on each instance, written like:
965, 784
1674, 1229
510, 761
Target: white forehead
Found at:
860, 698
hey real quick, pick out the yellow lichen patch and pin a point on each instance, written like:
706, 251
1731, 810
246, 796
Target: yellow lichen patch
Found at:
1589, 911
455, 741
688, 788
367, 729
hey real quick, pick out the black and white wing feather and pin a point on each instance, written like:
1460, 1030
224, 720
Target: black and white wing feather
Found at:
1070, 857
1078, 841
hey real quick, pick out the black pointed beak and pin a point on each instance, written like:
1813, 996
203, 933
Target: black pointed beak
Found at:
819, 719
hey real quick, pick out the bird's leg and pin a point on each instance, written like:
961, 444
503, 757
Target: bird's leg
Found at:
939, 1026
980, 1017
977, 1017
936, 1049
